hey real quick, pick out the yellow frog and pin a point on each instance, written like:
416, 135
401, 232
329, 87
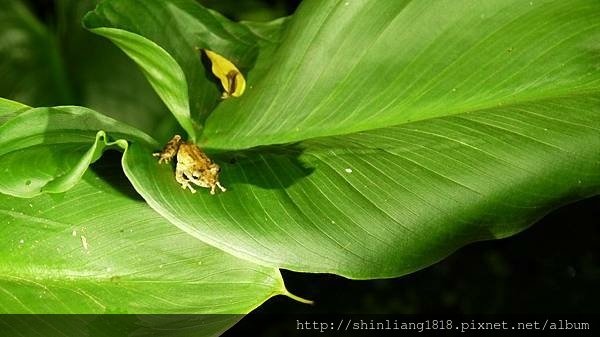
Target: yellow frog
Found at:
193, 165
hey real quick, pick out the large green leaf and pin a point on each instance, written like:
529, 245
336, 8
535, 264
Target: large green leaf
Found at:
97, 248
407, 129
386, 202
348, 66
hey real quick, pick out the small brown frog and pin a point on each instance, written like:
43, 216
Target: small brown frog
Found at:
193, 165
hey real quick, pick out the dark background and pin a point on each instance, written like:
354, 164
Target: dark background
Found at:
553, 267
251, 10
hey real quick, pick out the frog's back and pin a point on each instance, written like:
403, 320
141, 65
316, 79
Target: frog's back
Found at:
191, 154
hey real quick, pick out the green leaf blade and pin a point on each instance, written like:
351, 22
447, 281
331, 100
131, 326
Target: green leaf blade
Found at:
124, 259
387, 202
407, 61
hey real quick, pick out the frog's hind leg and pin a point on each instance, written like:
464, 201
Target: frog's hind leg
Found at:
169, 151
185, 183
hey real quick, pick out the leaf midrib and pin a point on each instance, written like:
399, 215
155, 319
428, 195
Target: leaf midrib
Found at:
94, 278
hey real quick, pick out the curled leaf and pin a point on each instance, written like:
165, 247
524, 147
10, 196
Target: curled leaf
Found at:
230, 76
47, 150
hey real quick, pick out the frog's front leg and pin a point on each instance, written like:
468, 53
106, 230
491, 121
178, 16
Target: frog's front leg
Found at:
182, 179
218, 184
169, 151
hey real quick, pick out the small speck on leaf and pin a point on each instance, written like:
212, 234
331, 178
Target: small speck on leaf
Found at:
84, 242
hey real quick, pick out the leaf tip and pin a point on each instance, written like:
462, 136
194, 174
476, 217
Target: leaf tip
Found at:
297, 298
